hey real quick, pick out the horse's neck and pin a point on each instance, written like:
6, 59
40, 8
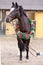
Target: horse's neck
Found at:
24, 24
22, 21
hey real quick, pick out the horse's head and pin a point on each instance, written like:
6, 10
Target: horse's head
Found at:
15, 12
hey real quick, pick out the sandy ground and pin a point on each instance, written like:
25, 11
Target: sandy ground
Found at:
9, 49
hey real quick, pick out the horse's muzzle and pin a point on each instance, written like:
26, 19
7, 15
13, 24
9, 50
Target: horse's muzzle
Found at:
7, 20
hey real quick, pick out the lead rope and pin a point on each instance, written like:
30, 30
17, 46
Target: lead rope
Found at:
34, 51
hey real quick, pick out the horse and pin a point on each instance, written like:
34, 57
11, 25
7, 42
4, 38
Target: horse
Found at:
17, 12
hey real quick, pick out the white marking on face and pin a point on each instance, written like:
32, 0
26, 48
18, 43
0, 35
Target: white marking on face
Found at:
12, 9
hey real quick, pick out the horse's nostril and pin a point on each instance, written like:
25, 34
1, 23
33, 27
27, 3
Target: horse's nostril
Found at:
7, 20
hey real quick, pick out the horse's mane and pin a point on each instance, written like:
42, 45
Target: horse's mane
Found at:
22, 11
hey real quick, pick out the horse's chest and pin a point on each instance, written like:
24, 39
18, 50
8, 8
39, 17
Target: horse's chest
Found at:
24, 27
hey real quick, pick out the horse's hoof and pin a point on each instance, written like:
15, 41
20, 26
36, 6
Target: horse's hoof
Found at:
27, 57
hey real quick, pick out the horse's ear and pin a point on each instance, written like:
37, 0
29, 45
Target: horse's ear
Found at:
12, 3
16, 4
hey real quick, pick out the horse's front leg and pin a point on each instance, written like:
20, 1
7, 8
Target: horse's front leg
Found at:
27, 51
20, 47
20, 55
27, 48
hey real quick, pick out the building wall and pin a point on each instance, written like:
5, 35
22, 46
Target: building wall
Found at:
31, 14
0, 20
0, 14
39, 24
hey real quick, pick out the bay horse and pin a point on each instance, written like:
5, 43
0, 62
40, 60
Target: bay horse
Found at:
17, 12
